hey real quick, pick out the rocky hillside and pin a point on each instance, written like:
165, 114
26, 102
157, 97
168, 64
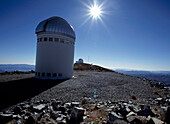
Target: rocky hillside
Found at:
90, 67
94, 95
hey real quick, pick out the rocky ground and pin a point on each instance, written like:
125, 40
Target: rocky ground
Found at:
13, 77
92, 97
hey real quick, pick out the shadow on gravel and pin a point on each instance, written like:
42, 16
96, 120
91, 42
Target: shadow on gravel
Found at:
13, 92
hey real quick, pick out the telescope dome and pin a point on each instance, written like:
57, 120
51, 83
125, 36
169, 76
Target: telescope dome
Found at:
56, 25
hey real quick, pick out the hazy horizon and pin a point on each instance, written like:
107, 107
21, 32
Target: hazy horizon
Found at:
120, 69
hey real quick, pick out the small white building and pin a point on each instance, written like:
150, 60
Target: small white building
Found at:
80, 61
55, 49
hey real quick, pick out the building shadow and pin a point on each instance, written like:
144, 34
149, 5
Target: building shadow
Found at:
13, 92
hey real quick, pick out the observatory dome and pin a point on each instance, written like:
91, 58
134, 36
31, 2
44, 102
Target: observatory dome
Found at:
56, 25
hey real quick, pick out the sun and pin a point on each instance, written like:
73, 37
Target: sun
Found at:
95, 11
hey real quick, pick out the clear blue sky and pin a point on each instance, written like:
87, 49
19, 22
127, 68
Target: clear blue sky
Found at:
135, 34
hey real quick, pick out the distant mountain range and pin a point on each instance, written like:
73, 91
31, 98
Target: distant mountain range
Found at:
159, 76
141, 72
16, 67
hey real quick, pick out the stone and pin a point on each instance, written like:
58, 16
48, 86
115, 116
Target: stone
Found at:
17, 110
62, 109
75, 104
60, 118
54, 115
167, 116
130, 102
16, 117
127, 109
118, 121
162, 113
167, 101
28, 114
130, 118
39, 108
50, 109
159, 99
55, 104
146, 112
131, 114
157, 121
25, 117
26, 106
123, 112
77, 114
112, 116
104, 122
67, 105
137, 119
18, 122
30, 120
4, 118
40, 116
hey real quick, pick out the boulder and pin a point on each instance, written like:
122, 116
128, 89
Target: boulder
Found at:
157, 121
30, 120
75, 104
131, 114
67, 105
77, 114
26, 106
167, 116
55, 104
17, 110
4, 118
137, 119
39, 108
54, 115
146, 112
112, 116
123, 112
62, 109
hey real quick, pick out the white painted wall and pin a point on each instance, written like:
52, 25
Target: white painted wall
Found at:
54, 57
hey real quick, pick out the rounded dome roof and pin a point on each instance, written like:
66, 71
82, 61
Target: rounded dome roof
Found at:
57, 25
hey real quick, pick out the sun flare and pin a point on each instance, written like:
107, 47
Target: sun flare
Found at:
95, 11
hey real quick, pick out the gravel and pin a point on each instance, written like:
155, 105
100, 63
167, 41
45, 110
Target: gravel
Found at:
108, 85
111, 86
11, 77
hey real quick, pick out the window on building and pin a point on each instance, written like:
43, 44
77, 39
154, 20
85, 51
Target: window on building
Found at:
67, 42
62, 40
51, 39
45, 38
43, 74
54, 74
38, 73
48, 74
60, 74
40, 39
56, 39
37, 39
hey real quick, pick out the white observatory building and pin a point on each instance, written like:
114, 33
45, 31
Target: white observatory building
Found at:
55, 49
80, 61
